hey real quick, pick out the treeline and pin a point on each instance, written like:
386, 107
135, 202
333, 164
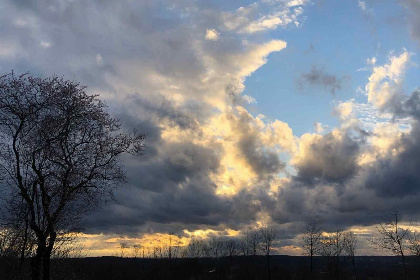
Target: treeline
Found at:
251, 242
329, 253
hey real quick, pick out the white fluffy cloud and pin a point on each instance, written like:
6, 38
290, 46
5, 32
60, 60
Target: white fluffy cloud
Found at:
385, 83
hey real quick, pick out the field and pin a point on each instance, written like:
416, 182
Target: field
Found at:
252, 268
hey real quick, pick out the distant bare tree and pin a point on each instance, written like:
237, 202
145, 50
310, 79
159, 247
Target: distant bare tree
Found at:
9, 243
216, 247
311, 242
350, 245
194, 249
392, 237
123, 247
59, 156
136, 250
331, 249
254, 238
268, 235
415, 244
244, 244
231, 247
176, 249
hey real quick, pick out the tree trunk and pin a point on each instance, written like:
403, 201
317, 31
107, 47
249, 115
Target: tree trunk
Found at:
47, 257
337, 264
36, 262
40, 265
46, 267
312, 266
24, 243
354, 268
404, 266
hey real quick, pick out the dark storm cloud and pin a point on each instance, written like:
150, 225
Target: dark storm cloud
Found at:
330, 158
410, 106
317, 77
399, 176
171, 183
262, 162
190, 204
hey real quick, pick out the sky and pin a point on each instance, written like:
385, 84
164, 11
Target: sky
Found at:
280, 112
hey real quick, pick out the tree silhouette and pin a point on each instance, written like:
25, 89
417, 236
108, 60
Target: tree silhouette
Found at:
268, 235
331, 249
350, 245
311, 242
59, 155
392, 237
415, 244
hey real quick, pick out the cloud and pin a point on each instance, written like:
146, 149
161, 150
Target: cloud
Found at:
212, 35
264, 15
206, 156
99, 59
344, 110
385, 83
371, 61
282, 18
351, 176
320, 128
413, 10
317, 77
210, 163
363, 6
249, 99
330, 157
45, 44
9, 50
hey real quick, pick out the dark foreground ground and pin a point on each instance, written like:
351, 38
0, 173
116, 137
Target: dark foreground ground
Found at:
244, 268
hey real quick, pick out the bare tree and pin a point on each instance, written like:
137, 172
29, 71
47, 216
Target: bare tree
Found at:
350, 245
194, 249
176, 249
268, 235
123, 247
311, 242
414, 245
331, 249
231, 247
59, 155
250, 245
254, 238
244, 244
136, 250
9, 243
392, 237
215, 247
